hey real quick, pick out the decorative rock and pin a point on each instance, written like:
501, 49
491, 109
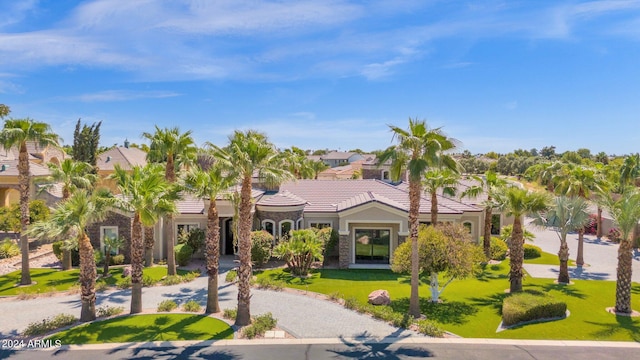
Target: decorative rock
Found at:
379, 297
126, 272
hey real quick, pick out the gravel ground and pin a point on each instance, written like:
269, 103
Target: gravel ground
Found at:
41, 257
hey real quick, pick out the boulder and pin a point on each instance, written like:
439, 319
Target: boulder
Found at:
379, 297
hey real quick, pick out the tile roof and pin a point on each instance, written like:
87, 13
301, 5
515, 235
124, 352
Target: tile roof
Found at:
338, 155
190, 205
284, 198
127, 158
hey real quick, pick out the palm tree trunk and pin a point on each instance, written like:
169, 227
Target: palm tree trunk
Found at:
107, 260
580, 257
23, 184
487, 232
244, 251
414, 210
66, 260
434, 208
136, 265
87, 279
170, 242
623, 283
563, 256
148, 246
599, 223
517, 255
212, 251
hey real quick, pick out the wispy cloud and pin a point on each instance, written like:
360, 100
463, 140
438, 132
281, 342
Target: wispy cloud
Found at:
121, 95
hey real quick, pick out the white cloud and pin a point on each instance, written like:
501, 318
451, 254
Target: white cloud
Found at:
121, 95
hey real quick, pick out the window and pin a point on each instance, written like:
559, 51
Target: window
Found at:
469, 226
495, 224
186, 227
299, 224
385, 175
372, 246
425, 223
285, 227
268, 226
107, 232
320, 225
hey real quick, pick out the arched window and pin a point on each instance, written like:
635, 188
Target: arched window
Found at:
269, 226
299, 224
285, 227
469, 226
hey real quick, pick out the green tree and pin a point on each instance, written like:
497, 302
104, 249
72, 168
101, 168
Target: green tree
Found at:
626, 214
85, 143
147, 195
417, 149
17, 132
174, 149
318, 166
111, 243
630, 171
249, 153
565, 215
517, 202
4, 111
299, 250
488, 184
72, 216
436, 179
445, 250
208, 185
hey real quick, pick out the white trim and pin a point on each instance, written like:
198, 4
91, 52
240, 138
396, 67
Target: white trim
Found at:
102, 229
299, 223
189, 225
280, 226
353, 240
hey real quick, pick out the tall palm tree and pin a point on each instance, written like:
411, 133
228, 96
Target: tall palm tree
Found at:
73, 175
148, 196
630, 170
208, 184
582, 181
517, 202
17, 132
436, 179
565, 215
249, 153
625, 213
318, 166
71, 217
175, 149
418, 148
488, 184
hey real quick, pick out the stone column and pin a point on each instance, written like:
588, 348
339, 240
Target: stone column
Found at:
343, 249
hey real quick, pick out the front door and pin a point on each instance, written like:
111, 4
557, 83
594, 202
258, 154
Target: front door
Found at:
229, 249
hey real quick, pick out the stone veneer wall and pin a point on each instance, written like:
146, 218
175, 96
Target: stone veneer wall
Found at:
402, 239
123, 223
343, 251
277, 216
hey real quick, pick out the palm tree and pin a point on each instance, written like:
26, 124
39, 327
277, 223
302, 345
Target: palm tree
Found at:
208, 185
517, 202
630, 170
298, 164
318, 166
436, 179
73, 175
17, 132
567, 214
577, 180
418, 149
625, 213
249, 153
175, 149
111, 243
72, 216
488, 184
147, 195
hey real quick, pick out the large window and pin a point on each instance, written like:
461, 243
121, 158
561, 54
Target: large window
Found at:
186, 227
320, 225
372, 246
105, 233
268, 226
495, 224
469, 226
285, 227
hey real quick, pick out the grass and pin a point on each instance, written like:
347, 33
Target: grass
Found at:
471, 307
50, 280
148, 327
548, 259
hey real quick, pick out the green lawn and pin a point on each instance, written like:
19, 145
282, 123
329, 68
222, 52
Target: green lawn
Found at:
49, 280
149, 327
471, 307
548, 259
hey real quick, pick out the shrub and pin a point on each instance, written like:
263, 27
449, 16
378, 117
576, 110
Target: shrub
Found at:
260, 325
351, 303
167, 306
261, 243
183, 254
191, 306
498, 249
26, 294
101, 286
528, 306
195, 238
532, 251
171, 280
148, 281
106, 311
592, 225
335, 296
231, 276
124, 283
98, 256
57, 249
49, 324
8, 249
268, 283
230, 313
190, 276
614, 235
117, 259
300, 250
429, 328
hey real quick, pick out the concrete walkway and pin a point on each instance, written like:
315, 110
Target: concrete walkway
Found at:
600, 256
300, 315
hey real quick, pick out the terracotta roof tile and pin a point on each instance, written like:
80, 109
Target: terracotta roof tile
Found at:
127, 158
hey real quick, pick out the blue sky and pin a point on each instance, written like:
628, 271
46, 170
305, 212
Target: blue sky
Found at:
496, 75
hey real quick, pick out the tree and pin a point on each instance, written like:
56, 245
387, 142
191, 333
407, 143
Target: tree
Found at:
73, 175
111, 243
249, 153
72, 216
318, 166
300, 250
436, 179
517, 202
446, 249
85, 143
298, 164
418, 148
4, 111
548, 152
147, 195
175, 149
630, 171
625, 213
486, 185
208, 185
17, 132
565, 215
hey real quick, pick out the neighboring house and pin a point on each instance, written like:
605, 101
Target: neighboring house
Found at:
126, 157
339, 158
349, 171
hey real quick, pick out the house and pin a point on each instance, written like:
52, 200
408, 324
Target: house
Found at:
125, 156
338, 158
349, 171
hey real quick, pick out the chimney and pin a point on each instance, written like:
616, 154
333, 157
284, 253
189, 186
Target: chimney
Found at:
126, 143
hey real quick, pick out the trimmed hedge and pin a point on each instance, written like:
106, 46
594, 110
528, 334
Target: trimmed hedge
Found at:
528, 306
498, 249
261, 245
183, 254
532, 251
